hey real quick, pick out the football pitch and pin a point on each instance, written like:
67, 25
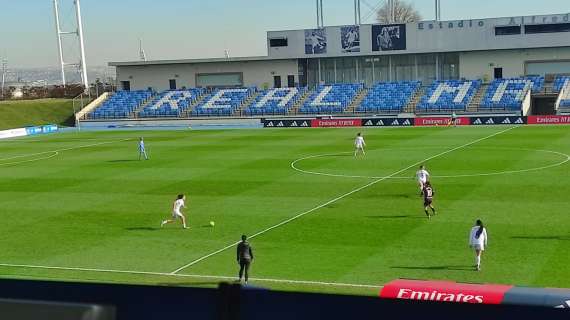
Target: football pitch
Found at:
82, 207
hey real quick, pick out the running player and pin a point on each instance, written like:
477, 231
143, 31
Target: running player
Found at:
428, 199
142, 150
359, 145
478, 242
422, 176
177, 206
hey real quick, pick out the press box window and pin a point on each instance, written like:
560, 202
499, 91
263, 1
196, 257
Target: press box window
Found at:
278, 42
547, 28
508, 30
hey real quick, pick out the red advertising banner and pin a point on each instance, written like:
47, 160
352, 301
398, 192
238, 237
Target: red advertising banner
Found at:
549, 120
441, 121
328, 123
444, 291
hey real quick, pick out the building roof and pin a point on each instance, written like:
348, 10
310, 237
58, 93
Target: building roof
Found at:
192, 61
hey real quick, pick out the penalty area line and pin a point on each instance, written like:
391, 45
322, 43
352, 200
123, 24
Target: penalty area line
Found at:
195, 276
340, 198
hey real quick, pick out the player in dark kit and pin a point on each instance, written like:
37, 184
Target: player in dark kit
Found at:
428, 194
244, 257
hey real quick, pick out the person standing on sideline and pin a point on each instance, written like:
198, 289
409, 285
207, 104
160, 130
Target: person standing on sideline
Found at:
244, 258
478, 242
177, 206
453, 121
359, 145
142, 150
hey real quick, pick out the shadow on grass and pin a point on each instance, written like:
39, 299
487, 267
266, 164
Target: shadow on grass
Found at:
437, 268
122, 161
561, 238
143, 229
191, 284
398, 217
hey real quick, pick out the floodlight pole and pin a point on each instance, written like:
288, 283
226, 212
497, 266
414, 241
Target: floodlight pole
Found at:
357, 13
82, 63
320, 15
59, 42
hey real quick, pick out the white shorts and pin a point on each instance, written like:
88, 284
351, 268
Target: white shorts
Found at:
176, 215
359, 146
478, 247
422, 182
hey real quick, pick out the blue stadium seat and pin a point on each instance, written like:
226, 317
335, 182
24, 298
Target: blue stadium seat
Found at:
171, 103
121, 104
509, 94
562, 85
449, 95
389, 97
276, 101
330, 99
223, 102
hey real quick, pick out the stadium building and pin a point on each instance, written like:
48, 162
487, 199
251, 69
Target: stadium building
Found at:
466, 49
513, 65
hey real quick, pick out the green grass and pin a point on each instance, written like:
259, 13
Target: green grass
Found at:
97, 207
17, 114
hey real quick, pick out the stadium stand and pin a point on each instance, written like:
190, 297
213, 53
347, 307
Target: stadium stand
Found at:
275, 101
223, 102
121, 105
171, 103
562, 85
509, 94
449, 95
389, 97
333, 98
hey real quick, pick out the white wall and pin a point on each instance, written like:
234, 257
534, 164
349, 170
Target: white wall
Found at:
430, 37
255, 73
481, 64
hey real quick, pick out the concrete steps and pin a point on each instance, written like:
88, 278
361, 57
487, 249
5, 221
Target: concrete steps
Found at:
196, 103
295, 109
416, 98
246, 103
357, 101
474, 104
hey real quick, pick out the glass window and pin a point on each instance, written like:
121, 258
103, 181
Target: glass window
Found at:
426, 68
449, 66
346, 70
327, 70
403, 68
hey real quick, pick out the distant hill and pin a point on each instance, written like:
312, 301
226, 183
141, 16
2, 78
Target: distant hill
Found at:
17, 114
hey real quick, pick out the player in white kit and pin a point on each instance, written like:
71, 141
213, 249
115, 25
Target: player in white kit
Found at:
177, 206
422, 176
359, 145
478, 242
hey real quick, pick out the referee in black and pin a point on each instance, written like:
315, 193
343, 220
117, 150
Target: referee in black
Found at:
244, 257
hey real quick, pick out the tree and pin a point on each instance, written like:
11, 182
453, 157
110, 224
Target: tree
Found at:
404, 12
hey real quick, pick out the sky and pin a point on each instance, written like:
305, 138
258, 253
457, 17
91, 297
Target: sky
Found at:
176, 29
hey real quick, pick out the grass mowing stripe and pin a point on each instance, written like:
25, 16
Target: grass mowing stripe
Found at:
301, 282
340, 198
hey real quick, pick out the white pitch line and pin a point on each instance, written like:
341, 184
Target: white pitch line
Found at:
300, 282
54, 153
339, 198
564, 155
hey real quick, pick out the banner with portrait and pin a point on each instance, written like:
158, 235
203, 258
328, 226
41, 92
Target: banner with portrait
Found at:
350, 39
315, 41
389, 37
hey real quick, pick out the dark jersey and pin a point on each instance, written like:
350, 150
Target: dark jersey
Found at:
428, 193
244, 251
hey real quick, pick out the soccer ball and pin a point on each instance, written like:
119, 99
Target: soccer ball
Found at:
212, 223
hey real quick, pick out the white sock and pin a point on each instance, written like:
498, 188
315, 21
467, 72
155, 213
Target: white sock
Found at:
478, 260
